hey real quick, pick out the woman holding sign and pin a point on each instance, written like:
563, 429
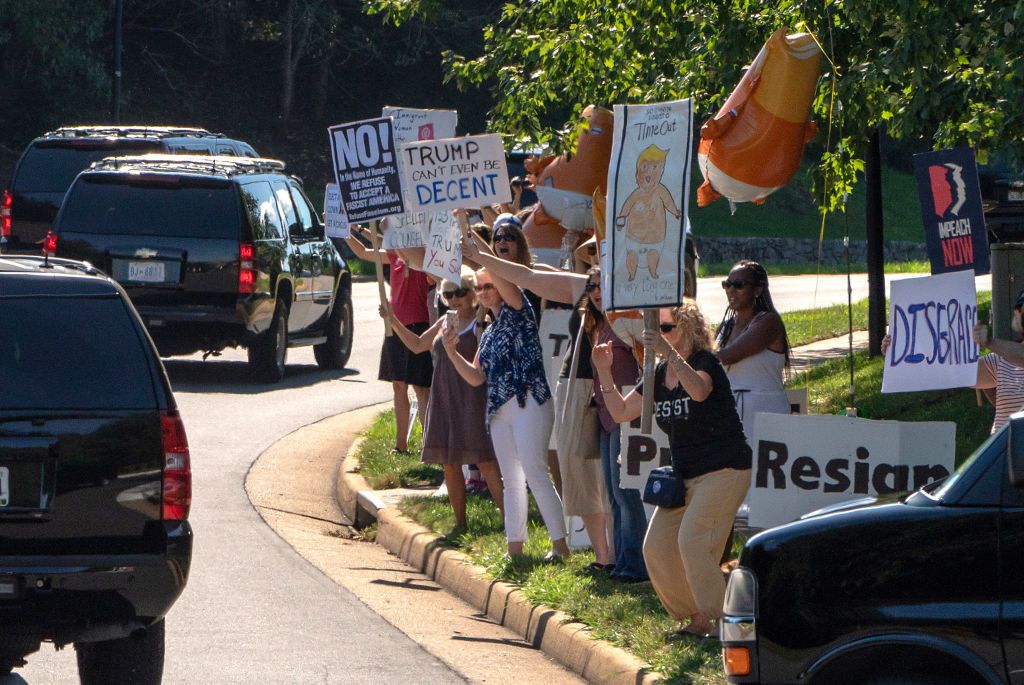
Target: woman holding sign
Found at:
693, 404
456, 433
519, 407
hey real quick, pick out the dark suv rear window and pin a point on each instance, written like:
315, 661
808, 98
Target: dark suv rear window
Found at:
172, 210
72, 353
51, 169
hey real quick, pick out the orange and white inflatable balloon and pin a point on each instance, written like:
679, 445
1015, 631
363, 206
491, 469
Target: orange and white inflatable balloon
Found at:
753, 146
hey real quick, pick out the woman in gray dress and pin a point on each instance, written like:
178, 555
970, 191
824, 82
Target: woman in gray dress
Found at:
456, 432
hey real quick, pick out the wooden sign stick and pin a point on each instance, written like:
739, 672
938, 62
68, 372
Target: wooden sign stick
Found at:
379, 263
647, 414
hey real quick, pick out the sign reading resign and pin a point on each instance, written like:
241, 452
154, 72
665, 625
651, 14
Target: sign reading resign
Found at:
804, 463
951, 210
930, 324
648, 190
455, 173
335, 221
366, 169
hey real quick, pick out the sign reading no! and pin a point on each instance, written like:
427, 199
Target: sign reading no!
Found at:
366, 169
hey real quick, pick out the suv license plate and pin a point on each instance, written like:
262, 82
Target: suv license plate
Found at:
148, 272
5, 480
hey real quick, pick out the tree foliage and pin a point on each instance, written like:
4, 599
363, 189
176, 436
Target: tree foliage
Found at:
949, 72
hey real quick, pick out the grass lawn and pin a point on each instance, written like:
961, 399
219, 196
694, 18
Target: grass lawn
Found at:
384, 468
801, 268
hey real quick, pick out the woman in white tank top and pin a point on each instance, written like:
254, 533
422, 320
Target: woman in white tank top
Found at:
752, 345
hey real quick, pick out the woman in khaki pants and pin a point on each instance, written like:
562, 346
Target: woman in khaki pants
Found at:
693, 404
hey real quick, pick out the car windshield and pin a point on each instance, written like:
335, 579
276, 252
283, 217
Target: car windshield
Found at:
950, 481
51, 169
72, 353
136, 208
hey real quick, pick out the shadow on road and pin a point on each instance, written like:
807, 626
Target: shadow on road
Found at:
190, 375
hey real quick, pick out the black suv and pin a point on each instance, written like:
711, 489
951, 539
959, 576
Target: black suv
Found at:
50, 163
214, 252
924, 589
95, 480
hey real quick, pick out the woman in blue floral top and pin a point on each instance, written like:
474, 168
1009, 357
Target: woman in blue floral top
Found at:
520, 412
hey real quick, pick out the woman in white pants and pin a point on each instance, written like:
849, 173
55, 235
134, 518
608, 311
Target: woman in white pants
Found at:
519, 407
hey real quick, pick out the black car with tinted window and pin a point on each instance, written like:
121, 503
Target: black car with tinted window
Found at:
925, 589
214, 252
50, 163
95, 475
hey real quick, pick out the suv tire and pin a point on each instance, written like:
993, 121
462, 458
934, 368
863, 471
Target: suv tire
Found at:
334, 353
128, 661
267, 356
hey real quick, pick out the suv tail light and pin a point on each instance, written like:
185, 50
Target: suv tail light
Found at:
177, 468
246, 269
5, 214
50, 244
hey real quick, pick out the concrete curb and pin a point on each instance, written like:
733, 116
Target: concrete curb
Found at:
545, 628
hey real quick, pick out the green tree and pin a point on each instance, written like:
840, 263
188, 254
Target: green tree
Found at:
950, 72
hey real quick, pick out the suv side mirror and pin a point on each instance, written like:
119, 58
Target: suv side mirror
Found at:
1015, 449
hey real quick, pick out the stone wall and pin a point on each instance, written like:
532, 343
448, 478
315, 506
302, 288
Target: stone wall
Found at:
768, 250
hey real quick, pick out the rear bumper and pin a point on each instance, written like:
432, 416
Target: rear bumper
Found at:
194, 328
91, 597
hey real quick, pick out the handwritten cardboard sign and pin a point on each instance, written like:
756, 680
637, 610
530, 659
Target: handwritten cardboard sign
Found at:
335, 221
804, 463
930, 323
443, 254
455, 173
951, 210
648, 191
365, 160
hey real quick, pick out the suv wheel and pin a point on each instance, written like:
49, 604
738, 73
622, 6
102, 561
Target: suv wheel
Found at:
268, 354
334, 353
128, 661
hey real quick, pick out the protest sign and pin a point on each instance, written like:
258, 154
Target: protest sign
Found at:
930, 324
648, 191
455, 173
951, 210
366, 169
411, 125
804, 463
335, 221
641, 453
443, 255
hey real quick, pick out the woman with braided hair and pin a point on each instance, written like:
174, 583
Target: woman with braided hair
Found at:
752, 345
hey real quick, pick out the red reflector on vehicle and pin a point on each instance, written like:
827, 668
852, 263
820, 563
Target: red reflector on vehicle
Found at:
5, 214
246, 272
50, 244
245, 251
177, 480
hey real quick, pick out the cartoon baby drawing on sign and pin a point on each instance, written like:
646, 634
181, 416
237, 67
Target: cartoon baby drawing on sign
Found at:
643, 213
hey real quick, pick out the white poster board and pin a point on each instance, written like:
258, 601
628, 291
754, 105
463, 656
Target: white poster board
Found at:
443, 254
335, 221
648, 191
412, 125
455, 173
804, 463
930, 324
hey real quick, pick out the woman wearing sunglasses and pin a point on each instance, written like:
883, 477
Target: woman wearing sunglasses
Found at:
455, 433
519, 407
693, 404
752, 345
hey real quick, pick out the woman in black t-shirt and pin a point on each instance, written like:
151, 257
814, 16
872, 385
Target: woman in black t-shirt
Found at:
693, 404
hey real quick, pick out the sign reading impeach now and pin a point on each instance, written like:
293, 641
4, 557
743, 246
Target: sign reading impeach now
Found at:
455, 173
804, 463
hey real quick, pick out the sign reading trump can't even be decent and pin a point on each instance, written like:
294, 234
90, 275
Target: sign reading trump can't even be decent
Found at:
455, 173
930, 328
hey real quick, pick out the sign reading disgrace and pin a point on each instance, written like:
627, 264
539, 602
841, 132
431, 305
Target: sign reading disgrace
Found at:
804, 463
366, 169
455, 173
930, 325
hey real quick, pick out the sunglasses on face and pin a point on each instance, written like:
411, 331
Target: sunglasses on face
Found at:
591, 287
504, 238
458, 292
738, 285
667, 327
483, 286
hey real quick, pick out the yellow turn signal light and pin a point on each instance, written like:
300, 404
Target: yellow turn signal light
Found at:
737, 660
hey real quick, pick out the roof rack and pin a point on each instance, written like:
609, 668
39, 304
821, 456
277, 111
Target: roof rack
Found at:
154, 132
206, 165
46, 263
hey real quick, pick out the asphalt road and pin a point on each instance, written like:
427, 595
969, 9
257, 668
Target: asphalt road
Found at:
254, 610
